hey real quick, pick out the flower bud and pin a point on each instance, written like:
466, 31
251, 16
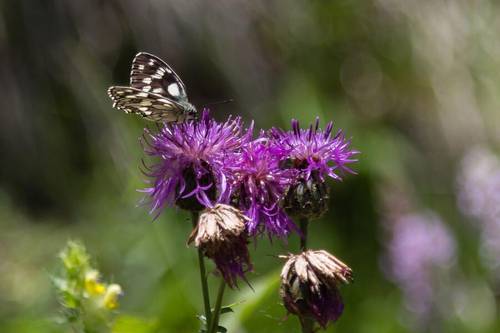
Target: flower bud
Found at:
307, 198
309, 286
220, 234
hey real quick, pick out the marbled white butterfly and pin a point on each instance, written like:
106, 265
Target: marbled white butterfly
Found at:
156, 92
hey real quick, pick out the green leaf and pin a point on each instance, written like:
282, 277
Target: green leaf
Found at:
221, 329
132, 324
226, 309
229, 308
264, 288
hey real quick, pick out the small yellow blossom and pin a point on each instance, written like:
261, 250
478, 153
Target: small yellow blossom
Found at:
92, 284
111, 297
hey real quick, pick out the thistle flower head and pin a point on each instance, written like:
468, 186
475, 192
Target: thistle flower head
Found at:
309, 285
220, 234
258, 184
314, 152
190, 158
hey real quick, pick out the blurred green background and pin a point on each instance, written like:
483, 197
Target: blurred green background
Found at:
416, 84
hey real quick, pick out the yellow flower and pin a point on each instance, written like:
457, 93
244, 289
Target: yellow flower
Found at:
92, 284
111, 297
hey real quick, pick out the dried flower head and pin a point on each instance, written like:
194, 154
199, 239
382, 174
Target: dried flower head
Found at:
191, 154
309, 285
258, 185
220, 234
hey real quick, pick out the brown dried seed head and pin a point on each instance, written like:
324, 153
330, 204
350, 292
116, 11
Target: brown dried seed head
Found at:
309, 285
218, 225
328, 266
315, 267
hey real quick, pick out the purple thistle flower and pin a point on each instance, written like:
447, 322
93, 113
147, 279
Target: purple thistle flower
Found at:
191, 155
313, 151
313, 154
258, 185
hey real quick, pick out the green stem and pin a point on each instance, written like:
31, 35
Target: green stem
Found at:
203, 277
304, 223
74, 329
218, 305
307, 324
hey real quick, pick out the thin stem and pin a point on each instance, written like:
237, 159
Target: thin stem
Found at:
203, 277
307, 324
74, 329
218, 305
304, 223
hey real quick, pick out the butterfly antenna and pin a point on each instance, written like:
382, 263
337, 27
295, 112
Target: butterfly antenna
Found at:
219, 102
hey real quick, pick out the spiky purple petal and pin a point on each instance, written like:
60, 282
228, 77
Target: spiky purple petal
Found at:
316, 151
258, 185
191, 156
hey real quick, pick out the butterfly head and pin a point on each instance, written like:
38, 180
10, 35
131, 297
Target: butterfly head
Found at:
190, 111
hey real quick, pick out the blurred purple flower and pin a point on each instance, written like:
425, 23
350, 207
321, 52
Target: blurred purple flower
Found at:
258, 184
479, 197
314, 151
479, 185
421, 246
191, 155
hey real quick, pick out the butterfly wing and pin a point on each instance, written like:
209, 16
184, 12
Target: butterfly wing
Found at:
151, 106
152, 75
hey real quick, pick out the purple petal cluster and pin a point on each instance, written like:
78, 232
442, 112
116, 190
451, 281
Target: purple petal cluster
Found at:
190, 159
314, 151
258, 184
324, 306
203, 163
234, 261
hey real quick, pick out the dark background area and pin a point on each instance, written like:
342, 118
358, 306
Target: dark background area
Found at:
415, 84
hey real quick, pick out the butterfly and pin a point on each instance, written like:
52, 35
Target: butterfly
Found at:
156, 92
